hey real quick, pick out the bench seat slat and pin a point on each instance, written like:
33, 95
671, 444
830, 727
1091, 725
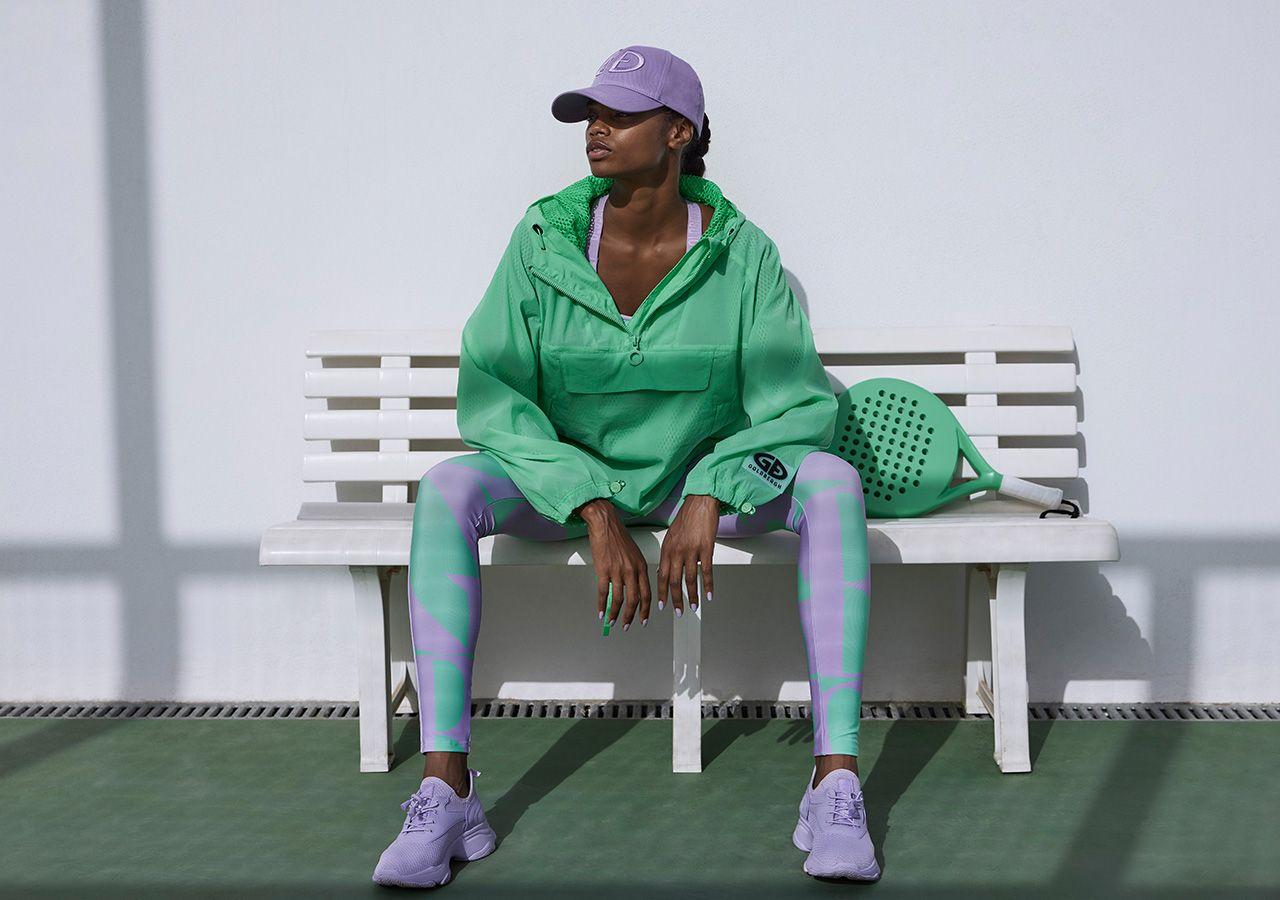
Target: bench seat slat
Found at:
969, 531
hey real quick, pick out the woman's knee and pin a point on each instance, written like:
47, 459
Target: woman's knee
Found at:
457, 478
828, 466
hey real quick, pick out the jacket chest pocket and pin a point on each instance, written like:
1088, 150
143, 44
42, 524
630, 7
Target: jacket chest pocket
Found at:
614, 371
606, 396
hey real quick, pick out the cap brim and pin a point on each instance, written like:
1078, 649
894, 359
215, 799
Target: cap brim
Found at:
571, 106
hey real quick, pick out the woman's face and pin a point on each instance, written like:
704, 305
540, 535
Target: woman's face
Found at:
635, 142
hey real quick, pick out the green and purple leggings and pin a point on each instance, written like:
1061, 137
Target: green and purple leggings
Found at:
468, 497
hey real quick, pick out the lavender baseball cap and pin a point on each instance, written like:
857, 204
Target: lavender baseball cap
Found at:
635, 79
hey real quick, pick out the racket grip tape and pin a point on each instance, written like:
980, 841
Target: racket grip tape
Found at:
1030, 491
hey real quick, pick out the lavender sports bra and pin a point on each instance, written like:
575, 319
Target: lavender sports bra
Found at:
597, 224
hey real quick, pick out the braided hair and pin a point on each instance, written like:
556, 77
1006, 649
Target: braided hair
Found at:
691, 162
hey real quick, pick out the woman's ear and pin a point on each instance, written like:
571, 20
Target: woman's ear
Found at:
680, 137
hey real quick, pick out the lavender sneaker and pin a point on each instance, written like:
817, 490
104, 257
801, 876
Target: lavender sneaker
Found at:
440, 826
833, 829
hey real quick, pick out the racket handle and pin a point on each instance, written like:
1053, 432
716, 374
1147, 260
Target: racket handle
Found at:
1030, 491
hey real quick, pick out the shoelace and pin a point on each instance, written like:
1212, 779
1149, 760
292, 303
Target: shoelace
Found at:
422, 811
846, 808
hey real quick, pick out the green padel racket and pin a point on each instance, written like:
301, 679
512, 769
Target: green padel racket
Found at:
905, 443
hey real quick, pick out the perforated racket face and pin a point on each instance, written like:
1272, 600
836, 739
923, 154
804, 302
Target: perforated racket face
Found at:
902, 440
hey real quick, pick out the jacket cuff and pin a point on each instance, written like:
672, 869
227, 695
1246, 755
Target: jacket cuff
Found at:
730, 503
588, 490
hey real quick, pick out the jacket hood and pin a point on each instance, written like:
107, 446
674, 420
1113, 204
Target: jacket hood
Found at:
568, 210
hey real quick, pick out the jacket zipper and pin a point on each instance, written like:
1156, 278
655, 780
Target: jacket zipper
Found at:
635, 335
635, 338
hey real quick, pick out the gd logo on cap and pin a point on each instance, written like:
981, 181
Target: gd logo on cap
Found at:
620, 62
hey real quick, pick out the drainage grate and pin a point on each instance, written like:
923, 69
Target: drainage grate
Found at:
1169, 712
179, 710
649, 709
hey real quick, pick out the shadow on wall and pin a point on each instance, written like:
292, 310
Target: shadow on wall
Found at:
147, 569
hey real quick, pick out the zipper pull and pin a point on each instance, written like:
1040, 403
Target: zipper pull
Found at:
635, 341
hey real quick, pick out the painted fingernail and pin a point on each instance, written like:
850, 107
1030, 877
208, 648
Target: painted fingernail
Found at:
679, 612
625, 627
708, 595
661, 604
644, 622
601, 616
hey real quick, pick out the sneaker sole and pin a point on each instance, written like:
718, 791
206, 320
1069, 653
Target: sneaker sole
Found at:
471, 845
802, 837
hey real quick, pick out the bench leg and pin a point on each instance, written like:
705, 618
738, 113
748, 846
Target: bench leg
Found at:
1009, 668
373, 658
977, 627
686, 697
404, 673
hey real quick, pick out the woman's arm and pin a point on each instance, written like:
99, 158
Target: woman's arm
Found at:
498, 392
786, 394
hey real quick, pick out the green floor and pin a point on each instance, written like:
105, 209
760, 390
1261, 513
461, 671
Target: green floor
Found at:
581, 807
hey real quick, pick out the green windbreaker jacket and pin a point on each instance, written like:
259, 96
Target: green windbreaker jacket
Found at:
718, 364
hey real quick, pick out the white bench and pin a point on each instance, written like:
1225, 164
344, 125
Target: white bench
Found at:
1003, 382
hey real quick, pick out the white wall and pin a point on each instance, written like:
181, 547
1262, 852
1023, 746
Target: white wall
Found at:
186, 189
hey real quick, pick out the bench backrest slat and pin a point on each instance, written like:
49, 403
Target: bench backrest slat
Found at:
941, 378
901, 339
442, 424
386, 400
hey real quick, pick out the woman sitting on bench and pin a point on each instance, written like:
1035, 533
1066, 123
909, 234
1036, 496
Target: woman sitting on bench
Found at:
638, 358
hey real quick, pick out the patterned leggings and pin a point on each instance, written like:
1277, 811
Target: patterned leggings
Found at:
467, 497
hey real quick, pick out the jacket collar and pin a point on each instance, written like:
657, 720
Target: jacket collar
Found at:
559, 238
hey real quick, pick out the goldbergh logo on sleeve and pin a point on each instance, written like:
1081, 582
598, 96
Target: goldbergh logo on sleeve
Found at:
768, 467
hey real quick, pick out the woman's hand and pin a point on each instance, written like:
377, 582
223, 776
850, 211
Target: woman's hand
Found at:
618, 562
690, 540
